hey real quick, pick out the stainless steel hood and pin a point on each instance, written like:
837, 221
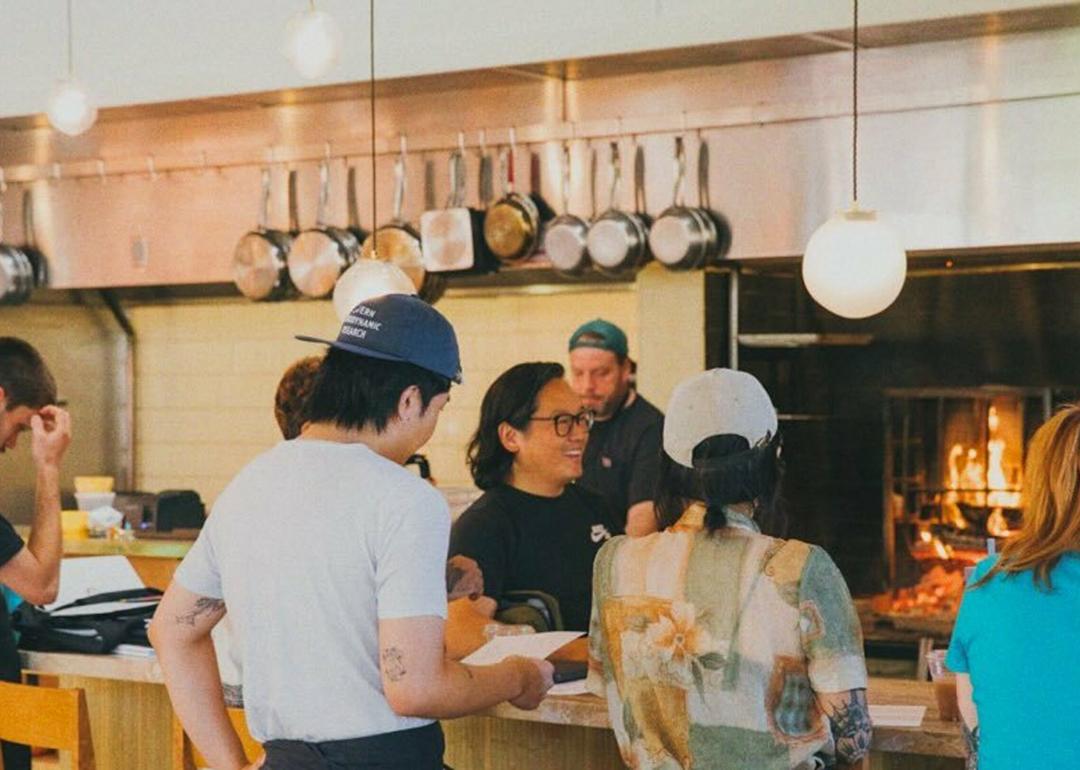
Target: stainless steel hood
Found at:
964, 144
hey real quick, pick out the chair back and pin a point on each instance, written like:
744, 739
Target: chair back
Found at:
49, 717
187, 757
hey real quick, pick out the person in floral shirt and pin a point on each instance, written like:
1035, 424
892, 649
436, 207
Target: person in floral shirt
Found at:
714, 644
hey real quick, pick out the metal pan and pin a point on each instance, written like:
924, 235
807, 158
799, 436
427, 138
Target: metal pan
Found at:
39, 264
260, 259
512, 224
682, 237
320, 254
723, 227
359, 233
452, 237
16, 273
566, 237
618, 240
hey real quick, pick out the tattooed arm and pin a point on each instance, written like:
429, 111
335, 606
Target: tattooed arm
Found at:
849, 718
419, 681
965, 698
180, 633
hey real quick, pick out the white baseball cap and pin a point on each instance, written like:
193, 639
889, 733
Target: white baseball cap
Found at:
716, 403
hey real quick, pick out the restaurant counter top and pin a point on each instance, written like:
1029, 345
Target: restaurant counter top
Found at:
932, 738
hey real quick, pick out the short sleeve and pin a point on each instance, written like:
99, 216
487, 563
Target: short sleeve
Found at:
482, 534
956, 660
597, 642
646, 467
829, 627
10, 542
410, 559
199, 571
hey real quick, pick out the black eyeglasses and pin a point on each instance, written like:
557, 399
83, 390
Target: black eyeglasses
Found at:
564, 422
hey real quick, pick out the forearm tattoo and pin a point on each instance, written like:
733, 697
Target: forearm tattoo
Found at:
851, 728
203, 606
971, 737
393, 664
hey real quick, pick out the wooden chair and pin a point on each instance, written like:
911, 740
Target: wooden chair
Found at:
187, 757
50, 717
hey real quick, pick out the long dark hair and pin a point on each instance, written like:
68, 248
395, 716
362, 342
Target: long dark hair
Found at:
510, 399
726, 471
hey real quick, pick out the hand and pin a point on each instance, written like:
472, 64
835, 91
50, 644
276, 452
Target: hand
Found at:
463, 578
536, 676
50, 435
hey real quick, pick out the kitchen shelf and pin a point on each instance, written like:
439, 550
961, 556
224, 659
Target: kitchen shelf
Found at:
801, 340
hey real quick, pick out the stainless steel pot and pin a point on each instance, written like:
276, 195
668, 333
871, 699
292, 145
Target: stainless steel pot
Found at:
566, 236
16, 272
512, 224
453, 240
260, 259
682, 237
618, 240
320, 254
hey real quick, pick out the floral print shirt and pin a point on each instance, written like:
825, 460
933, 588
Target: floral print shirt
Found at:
709, 648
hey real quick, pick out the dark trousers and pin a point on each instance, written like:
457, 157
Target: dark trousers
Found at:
418, 749
16, 756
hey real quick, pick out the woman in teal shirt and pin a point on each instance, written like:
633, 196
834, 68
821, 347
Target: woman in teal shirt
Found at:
1015, 644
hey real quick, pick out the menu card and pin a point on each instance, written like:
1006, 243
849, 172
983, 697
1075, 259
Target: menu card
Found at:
897, 716
526, 645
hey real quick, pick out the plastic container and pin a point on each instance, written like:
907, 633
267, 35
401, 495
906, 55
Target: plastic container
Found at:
944, 686
90, 501
73, 525
94, 483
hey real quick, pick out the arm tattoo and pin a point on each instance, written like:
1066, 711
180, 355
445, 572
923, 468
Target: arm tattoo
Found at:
971, 737
851, 728
393, 664
203, 606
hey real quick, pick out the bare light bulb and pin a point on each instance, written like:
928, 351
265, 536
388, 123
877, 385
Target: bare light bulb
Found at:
854, 265
312, 43
367, 278
71, 109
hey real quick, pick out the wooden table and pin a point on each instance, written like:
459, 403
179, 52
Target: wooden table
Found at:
130, 717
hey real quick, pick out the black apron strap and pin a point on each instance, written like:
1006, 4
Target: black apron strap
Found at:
420, 748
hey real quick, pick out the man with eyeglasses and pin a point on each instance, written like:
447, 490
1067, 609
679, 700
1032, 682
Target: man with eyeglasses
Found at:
622, 460
534, 529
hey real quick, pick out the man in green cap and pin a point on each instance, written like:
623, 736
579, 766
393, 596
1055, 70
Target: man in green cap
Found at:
623, 452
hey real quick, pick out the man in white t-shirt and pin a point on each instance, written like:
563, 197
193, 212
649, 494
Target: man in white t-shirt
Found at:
330, 559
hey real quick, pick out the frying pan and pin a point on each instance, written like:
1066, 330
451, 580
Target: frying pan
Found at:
320, 254
260, 266
618, 240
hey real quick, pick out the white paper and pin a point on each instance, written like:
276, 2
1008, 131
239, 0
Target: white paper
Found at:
88, 575
577, 687
897, 716
134, 651
527, 646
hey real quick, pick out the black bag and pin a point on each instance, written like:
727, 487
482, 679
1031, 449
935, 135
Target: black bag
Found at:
95, 628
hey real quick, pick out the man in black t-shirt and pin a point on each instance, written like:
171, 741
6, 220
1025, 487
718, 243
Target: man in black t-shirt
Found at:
534, 528
622, 458
27, 398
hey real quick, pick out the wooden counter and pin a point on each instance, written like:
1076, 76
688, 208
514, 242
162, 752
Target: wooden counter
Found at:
130, 717
154, 560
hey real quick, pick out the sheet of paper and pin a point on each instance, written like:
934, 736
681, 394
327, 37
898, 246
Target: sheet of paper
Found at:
528, 646
577, 687
897, 716
88, 575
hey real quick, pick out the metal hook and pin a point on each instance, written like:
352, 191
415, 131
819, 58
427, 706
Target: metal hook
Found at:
151, 168
101, 170
3, 182
461, 142
57, 172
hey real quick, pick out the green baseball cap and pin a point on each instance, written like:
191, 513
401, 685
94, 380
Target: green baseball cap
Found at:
602, 335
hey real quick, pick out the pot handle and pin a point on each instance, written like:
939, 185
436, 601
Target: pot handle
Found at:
485, 180
678, 195
592, 180
324, 193
264, 201
294, 207
457, 180
3, 189
350, 195
29, 230
399, 181
640, 206
566, 178
704, 199
616, 176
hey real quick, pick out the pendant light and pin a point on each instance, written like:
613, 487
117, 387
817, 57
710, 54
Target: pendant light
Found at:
71, 109
854, 265
369, 277
312, 42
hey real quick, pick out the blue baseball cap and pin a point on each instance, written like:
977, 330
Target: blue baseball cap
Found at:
400, 327
600, 334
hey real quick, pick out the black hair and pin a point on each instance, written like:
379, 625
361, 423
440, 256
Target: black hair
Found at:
25, 378
353, 391
510, 399
726, 471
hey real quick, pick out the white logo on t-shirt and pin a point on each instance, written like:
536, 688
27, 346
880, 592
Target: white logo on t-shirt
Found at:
599, 532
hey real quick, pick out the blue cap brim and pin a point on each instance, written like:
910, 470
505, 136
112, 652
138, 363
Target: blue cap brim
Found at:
362, 351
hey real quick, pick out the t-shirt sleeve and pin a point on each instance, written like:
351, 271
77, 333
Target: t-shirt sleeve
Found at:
645, 466
956, 660
199, 572
410, 559
482, 535
10, 542
829, 627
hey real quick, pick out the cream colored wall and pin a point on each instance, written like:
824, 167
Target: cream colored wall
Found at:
206, 373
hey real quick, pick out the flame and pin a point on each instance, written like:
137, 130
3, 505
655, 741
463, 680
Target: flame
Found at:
943, 551
978, 485
997, 525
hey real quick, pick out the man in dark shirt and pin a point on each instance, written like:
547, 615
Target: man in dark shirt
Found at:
27, 395
622, 458
533, 529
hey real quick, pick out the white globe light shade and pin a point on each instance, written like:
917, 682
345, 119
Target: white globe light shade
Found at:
71, 109
854, 265
368, 278
312, 43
